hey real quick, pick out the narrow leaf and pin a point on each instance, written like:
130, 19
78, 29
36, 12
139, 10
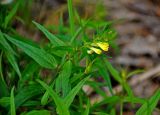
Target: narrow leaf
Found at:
104, 73
70, 97
13, 62
45, 97
113, 72
10, 54
62, 82
53, 39
40, 56
5, 44
78, 32
86, 112
61, 107
12, 103
26, 93
9, 17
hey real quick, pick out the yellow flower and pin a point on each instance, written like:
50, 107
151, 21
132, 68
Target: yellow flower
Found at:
103, 45
97, 51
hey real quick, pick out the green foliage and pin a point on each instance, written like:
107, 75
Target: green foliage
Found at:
61, 106
39, 55
148, 107
72, 58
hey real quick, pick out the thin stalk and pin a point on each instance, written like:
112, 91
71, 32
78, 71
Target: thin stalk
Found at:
121, 107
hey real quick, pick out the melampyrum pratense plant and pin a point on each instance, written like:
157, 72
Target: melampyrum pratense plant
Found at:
73, 58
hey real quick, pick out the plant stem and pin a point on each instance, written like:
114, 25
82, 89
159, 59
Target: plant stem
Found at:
121, 107
71, 17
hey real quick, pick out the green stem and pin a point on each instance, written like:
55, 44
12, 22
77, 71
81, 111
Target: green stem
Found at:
121, 107
71, 18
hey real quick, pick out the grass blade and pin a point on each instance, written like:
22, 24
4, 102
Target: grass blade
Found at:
40, 56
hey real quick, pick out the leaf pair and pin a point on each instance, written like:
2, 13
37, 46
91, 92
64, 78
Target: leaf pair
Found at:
9, 53
62, 82
148, 107
63, 104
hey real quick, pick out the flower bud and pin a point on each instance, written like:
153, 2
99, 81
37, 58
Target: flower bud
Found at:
97, 51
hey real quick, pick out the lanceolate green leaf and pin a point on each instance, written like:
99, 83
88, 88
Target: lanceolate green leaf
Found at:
62, 82
5, 44
46, 96
13, 62
78, 32
113, 71
61, 106
39, 55
104, 73
12, 103
28, 72
147, 108
70, 97
26, 93
53, 39
9, 54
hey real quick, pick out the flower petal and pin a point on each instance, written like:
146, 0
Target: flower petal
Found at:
97, 51
103, 45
